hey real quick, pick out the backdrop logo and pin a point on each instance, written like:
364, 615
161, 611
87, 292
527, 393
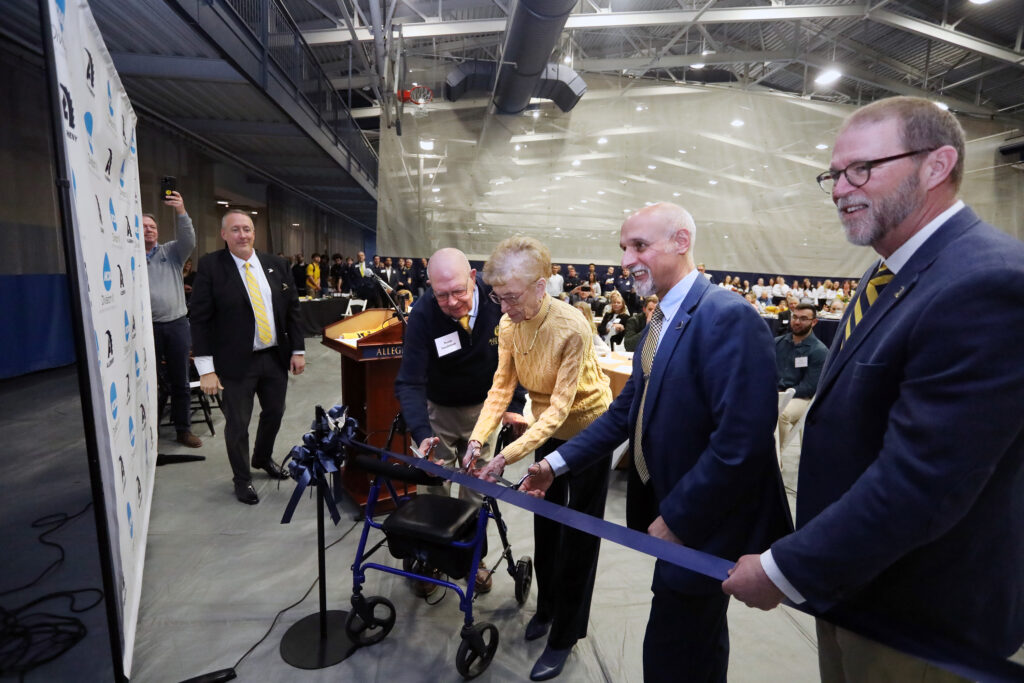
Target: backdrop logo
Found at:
131, 432
131, 524
121, 178
74, 184
110, 348
67, 107
131, 145
90, 70
113, 216
138, 368
133, 268
61, 12
88, 129
120, 277
127, 327
128, 227
107, 278
113, 401
110, 101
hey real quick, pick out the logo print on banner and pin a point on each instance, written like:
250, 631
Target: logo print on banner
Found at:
67, 107
120, 277
131, 524
74, 185
138, 368
113, 217
110, 163
131, 431
88, 128
110, 348
110, 101
127, 327
131, 145
61, 12
107, 277
128, 228
113, 401
121, 175
90, 70
133, 258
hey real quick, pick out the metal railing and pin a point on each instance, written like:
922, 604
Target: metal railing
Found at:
274, 29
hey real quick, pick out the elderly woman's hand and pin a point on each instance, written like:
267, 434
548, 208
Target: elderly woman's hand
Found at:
472, 455
492, 470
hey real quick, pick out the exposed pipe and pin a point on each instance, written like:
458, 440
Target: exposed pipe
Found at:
532, 33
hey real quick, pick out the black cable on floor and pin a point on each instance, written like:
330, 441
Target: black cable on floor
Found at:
294, 604
55, 522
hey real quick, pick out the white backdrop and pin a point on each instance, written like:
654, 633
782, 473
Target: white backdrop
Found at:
99, 136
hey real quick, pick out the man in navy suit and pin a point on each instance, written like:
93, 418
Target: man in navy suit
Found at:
245, 336
911, 487
700, 417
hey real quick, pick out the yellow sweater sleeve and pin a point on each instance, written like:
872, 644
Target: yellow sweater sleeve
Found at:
502, 386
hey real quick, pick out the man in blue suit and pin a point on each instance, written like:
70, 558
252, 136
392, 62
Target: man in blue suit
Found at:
699, 412
911, 487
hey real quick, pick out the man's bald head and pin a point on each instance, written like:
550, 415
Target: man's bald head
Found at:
452, 281
447, 263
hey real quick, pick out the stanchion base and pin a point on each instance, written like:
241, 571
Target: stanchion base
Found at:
303, 647
175, 458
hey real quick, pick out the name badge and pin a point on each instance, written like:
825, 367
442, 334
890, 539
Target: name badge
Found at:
800, 361
450, 343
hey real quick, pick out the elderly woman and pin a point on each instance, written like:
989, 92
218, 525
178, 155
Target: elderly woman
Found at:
547, 347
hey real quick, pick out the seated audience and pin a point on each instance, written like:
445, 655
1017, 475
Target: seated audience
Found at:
636, 324
612, 327
799, 357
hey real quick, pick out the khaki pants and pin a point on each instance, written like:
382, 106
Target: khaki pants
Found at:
845, 657
453, 425
791, 414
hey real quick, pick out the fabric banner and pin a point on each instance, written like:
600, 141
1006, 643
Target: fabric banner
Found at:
102, 166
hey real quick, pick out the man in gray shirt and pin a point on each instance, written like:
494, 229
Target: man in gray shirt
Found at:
171, 334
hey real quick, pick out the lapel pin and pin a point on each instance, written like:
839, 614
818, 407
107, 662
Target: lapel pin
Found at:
679, 325
270, 270
284, 286
899, 292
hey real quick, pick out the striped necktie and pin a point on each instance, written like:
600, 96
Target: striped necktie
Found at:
258, 309
872, 290
646, 362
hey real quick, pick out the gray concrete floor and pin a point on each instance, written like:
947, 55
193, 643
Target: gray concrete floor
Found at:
218, 571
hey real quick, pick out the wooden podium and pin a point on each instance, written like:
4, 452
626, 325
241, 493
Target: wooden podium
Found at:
369, 366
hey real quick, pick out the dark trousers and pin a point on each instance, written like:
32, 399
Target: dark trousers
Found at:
565, 560
267, 379
173, 342
687, 637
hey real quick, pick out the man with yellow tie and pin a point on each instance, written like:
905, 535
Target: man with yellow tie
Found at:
245, 337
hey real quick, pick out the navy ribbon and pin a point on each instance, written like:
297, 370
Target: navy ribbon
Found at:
942, 652
311, 466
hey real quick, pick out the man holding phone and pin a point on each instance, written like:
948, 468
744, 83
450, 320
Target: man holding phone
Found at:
171, 335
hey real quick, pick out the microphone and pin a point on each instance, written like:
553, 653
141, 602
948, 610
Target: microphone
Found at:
385, 285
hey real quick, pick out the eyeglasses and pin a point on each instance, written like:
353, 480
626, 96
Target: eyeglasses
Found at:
859, 172
442, 297
508, 299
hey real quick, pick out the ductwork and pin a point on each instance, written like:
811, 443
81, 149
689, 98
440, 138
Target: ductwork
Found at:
532, 33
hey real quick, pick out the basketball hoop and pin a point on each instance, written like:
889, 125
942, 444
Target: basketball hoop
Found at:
421, 94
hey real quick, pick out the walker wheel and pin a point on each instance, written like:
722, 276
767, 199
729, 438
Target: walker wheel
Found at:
476, 650
370, 620
524, 578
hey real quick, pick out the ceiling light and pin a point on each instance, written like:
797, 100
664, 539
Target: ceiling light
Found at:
651, 166
681, 151
942, 105
536, 113
980, 2
295, 225
600, 191
543, 189
736, 123
639, 107
623, 181
426, 145
518, 147
222, 202
698, 65
820, 145
828, 77
567, 59
707, 52
253, 213
675, 194
648, 203
712, 182
558, 177
572, 208
576, 162
583, 201
625, 211
435, 189
602, 141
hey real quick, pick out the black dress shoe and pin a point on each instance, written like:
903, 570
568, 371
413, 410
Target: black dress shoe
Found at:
537, 628
245, 493
550, 664
272, 469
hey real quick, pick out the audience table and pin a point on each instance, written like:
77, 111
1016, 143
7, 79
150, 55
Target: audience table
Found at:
316, 314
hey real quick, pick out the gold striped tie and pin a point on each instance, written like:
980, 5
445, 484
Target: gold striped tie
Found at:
646, 362
875, 285
464, 322
258, 309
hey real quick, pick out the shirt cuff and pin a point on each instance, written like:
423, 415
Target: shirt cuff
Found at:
204, 365
779, 579
298, 353
557, 463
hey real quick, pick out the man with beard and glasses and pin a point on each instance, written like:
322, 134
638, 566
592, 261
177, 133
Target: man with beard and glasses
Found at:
911, 483
799, 357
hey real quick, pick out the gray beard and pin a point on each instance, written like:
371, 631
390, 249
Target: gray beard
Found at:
883, 215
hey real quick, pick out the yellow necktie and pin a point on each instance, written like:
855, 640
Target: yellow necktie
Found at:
262, 324
362, 270
875, 285
646, 363
464, 321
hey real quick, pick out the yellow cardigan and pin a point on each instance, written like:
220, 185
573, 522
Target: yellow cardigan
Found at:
567, 388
